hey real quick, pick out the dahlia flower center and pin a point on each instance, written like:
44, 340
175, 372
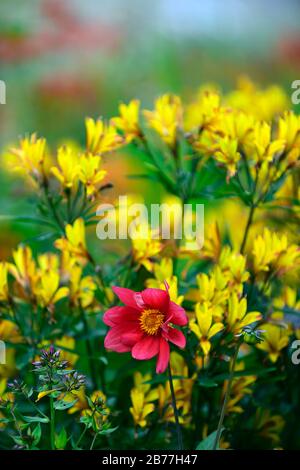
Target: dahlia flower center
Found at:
151, 320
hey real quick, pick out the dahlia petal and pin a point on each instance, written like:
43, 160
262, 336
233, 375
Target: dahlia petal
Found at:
115, 315
176, 337
177, 315
127, 296
156, 298
113, 340
146, 348
163, 356
132, 337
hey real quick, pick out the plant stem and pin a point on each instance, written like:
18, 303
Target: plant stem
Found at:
89, 348
178, 428
81, 436
52, 424
227, 395
93, 441
248, 225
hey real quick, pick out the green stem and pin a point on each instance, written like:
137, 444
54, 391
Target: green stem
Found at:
178, 428
93, 441
52, 424
248, 225
80, 437
89, 348
227, 395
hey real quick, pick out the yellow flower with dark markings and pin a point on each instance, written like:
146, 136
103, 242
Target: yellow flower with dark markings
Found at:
31, 157
128, 121
101, 137
48, 290
90, 172
74, 242
237, 316
67, 170
226, 153
275, 338
82, 288
272, 253
166, 117
204, 327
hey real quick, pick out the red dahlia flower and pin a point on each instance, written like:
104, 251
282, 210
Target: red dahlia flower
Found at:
144, 325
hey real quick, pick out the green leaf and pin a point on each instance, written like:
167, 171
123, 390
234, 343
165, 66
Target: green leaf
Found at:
64, 405
36, 434
61, 439
209, 441
36, 419
207, 383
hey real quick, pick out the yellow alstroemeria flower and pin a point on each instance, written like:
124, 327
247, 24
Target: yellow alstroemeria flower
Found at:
262, 148
90, 173
275, 339
82, 289
74, 241
233, 267
144, 247
269, 426
24, 270
227, 153
101, 137
128, 121
67, 170
271, 252
163, 271
204, 113
3, 282
99, 417
48, 291
9, 332
237, 316
140, 409
166, 117
31, 156
289, 131
203, 326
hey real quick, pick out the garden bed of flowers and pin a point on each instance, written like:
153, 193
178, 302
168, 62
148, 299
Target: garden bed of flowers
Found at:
168, 346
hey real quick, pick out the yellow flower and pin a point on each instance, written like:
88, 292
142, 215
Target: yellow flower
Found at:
275, 339
166, 117
204, 327
289, 132
144, 247
9, 332
24, 270
212, 243
99, 410
82, 289
90, 173
262, 148
31, 157
269, 426
237, 316
262, 104
233, 267
227, 154
128, 121
74, 242
3, 282
163, 271
101, 137
140, 409
204, 113
48, 291
67, 170
271, 253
